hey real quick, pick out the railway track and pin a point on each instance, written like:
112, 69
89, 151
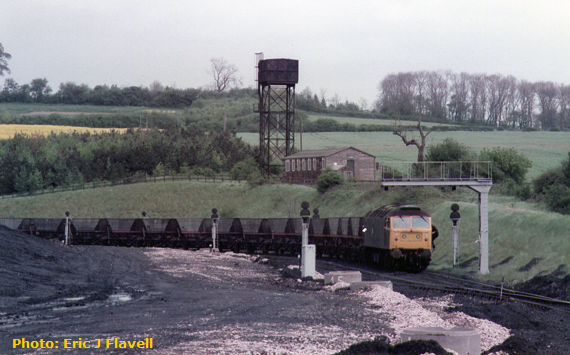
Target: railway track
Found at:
448, 284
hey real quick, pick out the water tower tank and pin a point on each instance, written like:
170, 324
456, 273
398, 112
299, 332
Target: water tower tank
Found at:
278, 71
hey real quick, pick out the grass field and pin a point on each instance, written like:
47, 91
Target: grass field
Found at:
8, 131
544, 149
517, 229
19, 109
369, 121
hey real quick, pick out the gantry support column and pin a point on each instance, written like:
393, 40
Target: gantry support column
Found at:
483, 191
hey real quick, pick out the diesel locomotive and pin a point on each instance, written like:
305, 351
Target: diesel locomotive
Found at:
398, 237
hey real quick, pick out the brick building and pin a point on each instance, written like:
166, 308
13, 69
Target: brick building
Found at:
307, 165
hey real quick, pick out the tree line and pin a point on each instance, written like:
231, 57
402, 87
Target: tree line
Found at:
70, 93
495, 100
33, 162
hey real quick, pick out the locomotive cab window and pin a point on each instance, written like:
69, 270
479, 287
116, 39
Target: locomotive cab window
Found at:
401, 222
420, 222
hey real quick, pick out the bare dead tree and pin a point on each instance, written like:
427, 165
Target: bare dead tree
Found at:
224, 74
409, 138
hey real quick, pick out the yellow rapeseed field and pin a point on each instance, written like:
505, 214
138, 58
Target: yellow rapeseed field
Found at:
8, 131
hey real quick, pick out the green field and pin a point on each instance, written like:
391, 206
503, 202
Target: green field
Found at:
369, 121
19, 109
544, 149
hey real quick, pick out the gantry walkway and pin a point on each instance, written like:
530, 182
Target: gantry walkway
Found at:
477, 175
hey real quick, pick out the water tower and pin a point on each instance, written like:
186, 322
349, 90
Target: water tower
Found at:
276, 79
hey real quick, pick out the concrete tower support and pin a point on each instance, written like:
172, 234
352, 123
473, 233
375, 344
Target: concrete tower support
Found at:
483, 191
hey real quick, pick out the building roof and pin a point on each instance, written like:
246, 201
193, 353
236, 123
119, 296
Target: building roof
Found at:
319, 153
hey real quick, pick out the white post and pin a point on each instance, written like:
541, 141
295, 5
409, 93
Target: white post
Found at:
215, 235
483, 191
66, 228
454, 233
484, 231
214, 230
305, 234
308, 252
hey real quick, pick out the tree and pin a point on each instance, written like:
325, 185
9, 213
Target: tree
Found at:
408, 136
478, 93
328, 178
508, 163
224, 74
39, 89
155, 89
527, 93
458, 105
437, 91
449, 150
547, 93
4, 61
397, 93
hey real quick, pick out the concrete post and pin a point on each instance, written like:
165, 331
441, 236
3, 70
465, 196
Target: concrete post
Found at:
305, 234
215, 218
483, 191
308, 252
66, 227
454, 233
484, 232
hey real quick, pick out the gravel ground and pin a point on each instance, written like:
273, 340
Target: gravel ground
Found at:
192, 302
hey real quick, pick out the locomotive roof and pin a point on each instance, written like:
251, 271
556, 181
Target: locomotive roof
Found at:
395, 210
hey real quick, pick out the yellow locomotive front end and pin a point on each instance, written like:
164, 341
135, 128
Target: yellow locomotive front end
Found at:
409, 232
398, 237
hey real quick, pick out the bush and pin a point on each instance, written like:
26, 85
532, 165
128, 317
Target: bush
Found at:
553, 187
507, 164
511, 188
557, 198
449, 150
243, 169
255, 179
328, 178
547, 179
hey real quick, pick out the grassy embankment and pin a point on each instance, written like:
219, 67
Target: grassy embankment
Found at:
519, 230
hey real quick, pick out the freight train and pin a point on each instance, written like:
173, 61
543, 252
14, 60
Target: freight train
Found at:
395, 237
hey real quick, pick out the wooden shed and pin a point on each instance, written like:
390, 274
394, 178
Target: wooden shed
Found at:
307, 165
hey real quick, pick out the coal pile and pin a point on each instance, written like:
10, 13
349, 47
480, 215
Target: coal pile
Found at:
381, 346
548, 285
36, 270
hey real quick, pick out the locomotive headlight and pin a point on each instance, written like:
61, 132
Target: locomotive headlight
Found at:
418, 236
404, 236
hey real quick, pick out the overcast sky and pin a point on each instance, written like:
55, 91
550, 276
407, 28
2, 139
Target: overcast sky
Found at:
343, 47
